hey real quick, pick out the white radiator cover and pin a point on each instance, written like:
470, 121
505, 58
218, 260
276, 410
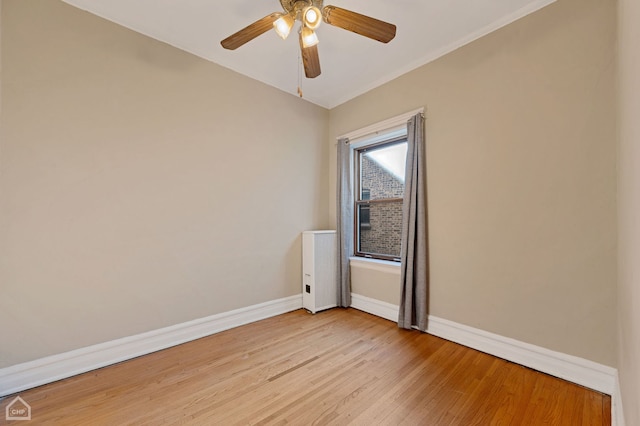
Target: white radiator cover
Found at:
319, 273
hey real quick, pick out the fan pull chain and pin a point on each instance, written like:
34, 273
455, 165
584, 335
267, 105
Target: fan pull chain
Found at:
299, 75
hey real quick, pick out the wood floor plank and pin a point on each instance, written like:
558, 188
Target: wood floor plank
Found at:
337, 367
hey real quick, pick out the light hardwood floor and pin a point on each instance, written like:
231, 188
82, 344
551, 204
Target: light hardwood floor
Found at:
338, 367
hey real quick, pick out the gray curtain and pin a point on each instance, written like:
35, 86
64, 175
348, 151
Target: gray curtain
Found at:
344, 206
414, 298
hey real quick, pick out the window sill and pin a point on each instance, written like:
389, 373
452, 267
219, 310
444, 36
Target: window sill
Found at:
387, 266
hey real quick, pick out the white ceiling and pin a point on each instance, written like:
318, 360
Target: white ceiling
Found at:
351, 64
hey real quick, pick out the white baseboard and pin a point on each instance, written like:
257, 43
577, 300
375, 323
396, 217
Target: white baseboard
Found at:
592, 375
56, 367
581, 371
375, 307
572, 368
617, 413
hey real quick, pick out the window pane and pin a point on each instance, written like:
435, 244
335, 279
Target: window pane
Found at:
382, 172
381, 234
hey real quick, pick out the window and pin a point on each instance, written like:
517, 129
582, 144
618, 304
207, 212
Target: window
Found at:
376, 169
379, 187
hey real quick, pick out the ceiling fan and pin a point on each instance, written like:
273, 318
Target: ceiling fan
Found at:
310, 13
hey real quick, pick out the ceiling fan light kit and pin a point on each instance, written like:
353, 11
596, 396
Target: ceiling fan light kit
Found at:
309, 37
312, 17
311, 13
283, 25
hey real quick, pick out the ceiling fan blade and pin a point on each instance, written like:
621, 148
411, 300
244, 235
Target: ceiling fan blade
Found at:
359, 24
310, 59
249, 32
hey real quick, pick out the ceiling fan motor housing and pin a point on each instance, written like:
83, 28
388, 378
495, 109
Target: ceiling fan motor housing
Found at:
296, 7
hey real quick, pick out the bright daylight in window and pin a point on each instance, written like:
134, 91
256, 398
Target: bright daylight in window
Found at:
379, 172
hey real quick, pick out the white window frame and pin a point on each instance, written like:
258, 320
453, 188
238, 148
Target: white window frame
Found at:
384, 139
373, 134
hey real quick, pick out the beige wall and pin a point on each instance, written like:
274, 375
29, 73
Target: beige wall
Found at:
521, 177
374, 281
629, 209
129, 200
141, 186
